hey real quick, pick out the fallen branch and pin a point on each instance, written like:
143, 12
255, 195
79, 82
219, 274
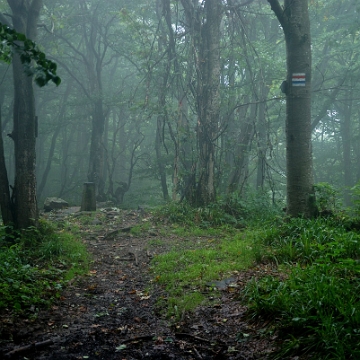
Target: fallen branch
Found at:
138, 338
28, 348
186, 335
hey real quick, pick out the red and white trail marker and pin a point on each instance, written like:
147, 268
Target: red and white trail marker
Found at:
298, 79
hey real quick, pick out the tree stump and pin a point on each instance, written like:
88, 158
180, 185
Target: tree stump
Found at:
88, 201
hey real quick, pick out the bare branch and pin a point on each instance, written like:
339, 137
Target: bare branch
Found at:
279, 12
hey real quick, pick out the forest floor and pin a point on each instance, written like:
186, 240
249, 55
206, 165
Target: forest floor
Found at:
112, 312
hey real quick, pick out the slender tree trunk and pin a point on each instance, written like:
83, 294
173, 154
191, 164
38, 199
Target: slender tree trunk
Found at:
163, 8
5, 198
261, 137
96, 162
54, 138
345, 129
245, 134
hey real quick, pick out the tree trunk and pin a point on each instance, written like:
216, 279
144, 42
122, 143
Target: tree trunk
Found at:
96, 162
60, 120
261, 140
163, 8
345, 129
239, 161
25, 16
5, 199
294, 19
207, 62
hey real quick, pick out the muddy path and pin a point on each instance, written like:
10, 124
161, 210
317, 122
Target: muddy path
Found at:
111, 313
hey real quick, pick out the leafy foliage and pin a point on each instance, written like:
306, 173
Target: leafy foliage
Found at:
35, 62
34, 270
326, 196
318, 304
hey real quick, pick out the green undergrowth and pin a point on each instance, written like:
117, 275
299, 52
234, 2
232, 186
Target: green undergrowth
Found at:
317, 306
186, 272
228, 212
36, 264
314, 299
215, 242
140, 229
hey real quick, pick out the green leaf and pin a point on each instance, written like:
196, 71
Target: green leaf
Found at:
120, 348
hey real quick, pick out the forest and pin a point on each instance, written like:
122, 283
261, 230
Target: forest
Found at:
221, 137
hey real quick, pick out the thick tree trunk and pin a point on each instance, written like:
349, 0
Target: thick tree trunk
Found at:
294, 19
23, 134
208, 100
25, 15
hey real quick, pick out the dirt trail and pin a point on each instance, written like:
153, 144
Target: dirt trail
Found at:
111, 313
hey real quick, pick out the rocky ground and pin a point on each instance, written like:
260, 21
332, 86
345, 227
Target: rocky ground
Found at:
111, 313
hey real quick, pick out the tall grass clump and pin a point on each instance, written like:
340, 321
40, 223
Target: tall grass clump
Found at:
35, 266
316, 306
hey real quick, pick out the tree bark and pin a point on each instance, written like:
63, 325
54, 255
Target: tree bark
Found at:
239, 156
204, 24
60, 120
25, 16
345, 129
5, 198
163, 10
261, 140
294, 19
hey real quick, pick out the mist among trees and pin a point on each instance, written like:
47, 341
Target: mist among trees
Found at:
185, 100
236, 122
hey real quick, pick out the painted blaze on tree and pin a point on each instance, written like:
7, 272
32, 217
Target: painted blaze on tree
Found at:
294, 19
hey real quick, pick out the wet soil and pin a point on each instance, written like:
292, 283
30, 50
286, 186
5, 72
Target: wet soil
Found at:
112, 312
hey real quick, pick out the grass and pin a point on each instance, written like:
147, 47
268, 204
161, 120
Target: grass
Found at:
35, 268
137, 230
317, 309
314, 304
185, 272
